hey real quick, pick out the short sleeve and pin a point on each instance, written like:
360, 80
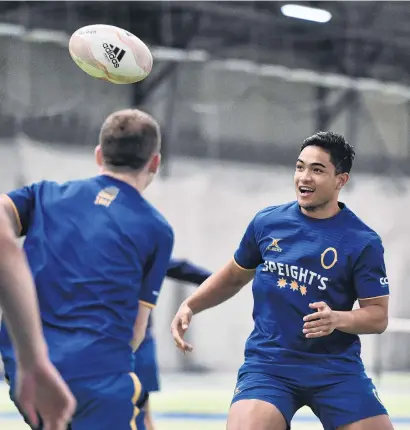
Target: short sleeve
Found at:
369, 273
22, 202
248, 255
156, 270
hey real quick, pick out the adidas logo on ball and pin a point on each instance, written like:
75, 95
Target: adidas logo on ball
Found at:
114, 53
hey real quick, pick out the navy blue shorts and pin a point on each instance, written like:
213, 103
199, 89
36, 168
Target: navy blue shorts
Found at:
145, 365
343, 400
103, 403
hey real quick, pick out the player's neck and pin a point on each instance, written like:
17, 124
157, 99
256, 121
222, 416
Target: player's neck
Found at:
328, 211
139, 182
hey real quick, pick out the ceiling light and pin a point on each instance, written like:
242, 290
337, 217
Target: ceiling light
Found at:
306, 13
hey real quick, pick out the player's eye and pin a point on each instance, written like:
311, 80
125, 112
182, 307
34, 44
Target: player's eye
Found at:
318, 170
299, 167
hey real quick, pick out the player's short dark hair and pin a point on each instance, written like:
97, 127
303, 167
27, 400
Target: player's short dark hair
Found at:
341, 153
128, 139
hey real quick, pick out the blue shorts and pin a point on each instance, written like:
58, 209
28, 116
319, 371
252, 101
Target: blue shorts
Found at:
345, 399
103, 403
145, 365
139, 421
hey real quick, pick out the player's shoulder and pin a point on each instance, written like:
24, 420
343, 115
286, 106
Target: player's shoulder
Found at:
270, 213
358, 230
46, 183
43, 186
59, 188
74, 190
159, 221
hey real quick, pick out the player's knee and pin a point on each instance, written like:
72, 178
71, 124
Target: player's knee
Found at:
250, 414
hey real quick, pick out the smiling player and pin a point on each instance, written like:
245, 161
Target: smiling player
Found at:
310, 260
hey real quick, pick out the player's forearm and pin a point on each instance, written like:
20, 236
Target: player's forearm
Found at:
140, 326
140, 330
136, 341
218, 288
368, 320
19, 303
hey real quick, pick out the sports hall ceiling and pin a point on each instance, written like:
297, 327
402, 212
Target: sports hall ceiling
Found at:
367, 39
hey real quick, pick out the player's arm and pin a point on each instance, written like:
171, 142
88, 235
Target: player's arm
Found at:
184, 270
152, 282
220, 286
371, 318
17, 295
40, 389
19, 207
140, 326
372, 290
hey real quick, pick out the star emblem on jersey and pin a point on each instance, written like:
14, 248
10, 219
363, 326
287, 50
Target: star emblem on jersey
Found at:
274, 246
294, 286
294, 278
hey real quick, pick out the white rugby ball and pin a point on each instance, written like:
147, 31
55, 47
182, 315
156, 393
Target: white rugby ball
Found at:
110, 53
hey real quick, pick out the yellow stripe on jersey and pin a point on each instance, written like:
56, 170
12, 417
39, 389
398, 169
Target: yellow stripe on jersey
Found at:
16, 213
135, 397
148, 305
242, 268
133, 423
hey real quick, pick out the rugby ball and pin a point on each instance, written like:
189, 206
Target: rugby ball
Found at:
110, 53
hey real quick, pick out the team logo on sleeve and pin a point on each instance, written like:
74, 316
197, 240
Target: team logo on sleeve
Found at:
384, 282
106, 196
273, 246
328, 258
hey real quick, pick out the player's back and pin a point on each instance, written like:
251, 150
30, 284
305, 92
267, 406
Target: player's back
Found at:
91, 245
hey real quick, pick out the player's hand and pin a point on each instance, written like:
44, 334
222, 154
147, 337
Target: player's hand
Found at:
321, 323
40, 390
180, 325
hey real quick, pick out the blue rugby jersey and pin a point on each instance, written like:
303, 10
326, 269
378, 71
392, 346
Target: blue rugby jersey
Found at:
301, 260
96, 249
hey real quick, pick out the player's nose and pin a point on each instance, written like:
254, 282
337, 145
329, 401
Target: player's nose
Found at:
305, 178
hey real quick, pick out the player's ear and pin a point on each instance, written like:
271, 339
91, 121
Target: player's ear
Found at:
98, 156
342, 180
154, 163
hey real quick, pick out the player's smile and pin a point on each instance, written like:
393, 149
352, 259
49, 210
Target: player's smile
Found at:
305, 191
